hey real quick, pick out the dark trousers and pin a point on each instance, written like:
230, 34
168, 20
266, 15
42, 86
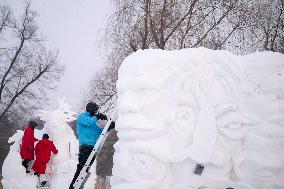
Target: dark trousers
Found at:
26, 163
84, 153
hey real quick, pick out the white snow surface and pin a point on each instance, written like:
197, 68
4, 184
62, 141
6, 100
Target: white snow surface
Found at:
177, 109
61, 168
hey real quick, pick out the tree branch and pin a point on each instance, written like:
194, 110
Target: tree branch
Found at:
19, 92
215, 24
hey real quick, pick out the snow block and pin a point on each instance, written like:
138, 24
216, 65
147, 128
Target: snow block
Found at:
178, 109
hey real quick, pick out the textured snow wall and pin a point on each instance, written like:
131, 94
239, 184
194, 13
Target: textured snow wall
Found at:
200, 118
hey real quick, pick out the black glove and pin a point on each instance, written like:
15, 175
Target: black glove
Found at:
111, 126
101, 116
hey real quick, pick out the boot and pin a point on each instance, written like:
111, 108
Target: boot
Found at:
43, 183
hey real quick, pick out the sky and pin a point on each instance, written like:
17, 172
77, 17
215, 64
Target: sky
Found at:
72, 27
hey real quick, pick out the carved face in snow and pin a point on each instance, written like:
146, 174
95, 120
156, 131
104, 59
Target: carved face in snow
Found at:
141, 164
262, 163
143, 101
141, 153
192, 115
143, 108
203, 109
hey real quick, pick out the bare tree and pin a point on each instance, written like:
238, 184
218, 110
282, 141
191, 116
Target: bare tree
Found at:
5, 16
164, 24
269, 26
261, 27
27, 68
240, 26
102, 88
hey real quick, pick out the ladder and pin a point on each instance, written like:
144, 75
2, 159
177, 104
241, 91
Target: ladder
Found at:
84, 173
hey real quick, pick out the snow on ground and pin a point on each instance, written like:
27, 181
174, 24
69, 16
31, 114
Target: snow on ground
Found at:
181, 110
61, 167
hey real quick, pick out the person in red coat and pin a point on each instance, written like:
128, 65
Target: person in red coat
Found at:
27, 147
43, 151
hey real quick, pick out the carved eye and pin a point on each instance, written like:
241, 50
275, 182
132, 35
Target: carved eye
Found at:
186, 114
231, 120
185, 117
234, 125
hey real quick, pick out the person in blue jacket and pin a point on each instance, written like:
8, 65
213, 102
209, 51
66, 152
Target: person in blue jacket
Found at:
88, 133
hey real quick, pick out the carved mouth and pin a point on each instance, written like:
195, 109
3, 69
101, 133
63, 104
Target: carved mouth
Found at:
137, 126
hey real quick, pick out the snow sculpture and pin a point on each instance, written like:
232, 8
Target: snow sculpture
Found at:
179, 110
64, 163
61, 168
143, 100
57, 128
262, 160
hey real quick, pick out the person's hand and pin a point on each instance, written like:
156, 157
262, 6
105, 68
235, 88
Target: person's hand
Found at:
101, 116
111, 126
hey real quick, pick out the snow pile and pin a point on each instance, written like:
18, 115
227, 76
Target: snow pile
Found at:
61, 168
181, 110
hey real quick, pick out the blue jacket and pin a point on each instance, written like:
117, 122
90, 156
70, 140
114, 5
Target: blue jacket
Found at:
88, 130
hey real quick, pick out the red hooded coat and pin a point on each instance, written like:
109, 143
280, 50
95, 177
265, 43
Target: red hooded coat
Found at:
27, 147
43, 151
